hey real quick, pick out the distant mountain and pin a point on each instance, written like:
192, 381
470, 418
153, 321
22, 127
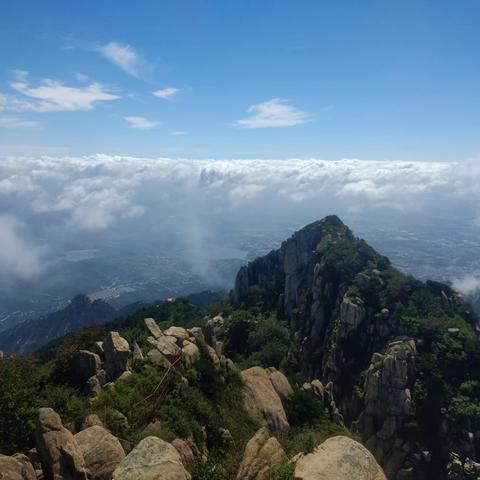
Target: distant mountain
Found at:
30, 335
205, 298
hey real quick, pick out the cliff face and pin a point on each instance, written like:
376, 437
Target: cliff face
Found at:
362, 325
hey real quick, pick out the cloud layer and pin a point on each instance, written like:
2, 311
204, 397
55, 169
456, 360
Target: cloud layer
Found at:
64, 195
123, 56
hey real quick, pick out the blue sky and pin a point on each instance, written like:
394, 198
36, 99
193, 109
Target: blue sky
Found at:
244, 79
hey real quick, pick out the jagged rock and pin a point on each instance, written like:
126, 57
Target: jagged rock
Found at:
280, 383
101, 451
352, 314
91, 420
99, 348
339, 458
137, 355
59, 453
262, 455
17, 467
153, 327
94, 384
84, 365
158, 359
167, 345
117, 352
185, 450
152, 459
318, 388
262, 401
388, 403
213, 332
190, 354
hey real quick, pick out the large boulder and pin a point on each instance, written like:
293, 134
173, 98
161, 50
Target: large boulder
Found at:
263, 454
167, 346
101, 451
117, 352
280, 383
58, 451
153, 328
262, 401
84, 365
339, 458
190, 354
152, 459
17, 467
179, 333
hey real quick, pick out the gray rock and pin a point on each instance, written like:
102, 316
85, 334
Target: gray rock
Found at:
152, 459
117, 352
153, 328
17, 467
84, 365
59, 453
101, 451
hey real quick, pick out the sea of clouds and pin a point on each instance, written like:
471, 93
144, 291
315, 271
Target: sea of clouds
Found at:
46, 196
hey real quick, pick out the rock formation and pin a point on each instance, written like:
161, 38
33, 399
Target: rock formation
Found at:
262, 401
339, 458
58, 451
152, 459
263, 454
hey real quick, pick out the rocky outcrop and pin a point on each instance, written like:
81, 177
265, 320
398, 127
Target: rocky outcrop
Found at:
263, 454
388, 404
262, 401
17, 467
339, 458
102, 452
58, 451
152, 459
117, 352
84, 364
90, 421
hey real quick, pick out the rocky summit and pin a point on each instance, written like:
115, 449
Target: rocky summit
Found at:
326, 363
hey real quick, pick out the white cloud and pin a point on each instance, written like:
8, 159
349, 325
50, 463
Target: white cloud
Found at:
140, 123
468, 285
123, 56
273, 113
15, 122
81, 77
53, 96
18, 258
167, 93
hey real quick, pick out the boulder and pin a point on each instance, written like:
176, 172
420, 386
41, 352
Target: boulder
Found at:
90, 421
262, 401
167, 345
339, 458
152, 459
190, 354
33, 457
280, 383
262, 455
213, 355
158, 359
84, 365
117, 352
95, 383
101, 451
179, 333
17, 467
352, 314
153, 328
58, 451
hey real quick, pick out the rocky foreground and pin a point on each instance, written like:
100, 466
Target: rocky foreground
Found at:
94, 453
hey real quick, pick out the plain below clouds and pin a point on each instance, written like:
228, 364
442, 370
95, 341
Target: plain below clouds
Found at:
19, 259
